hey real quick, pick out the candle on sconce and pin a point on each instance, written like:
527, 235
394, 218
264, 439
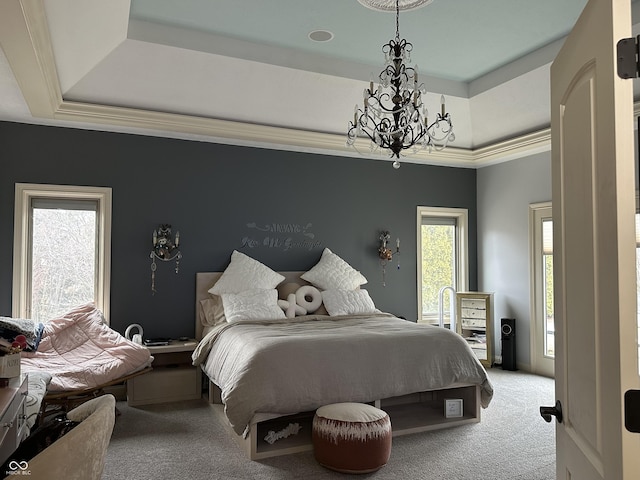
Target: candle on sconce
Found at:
442, 104
177, 238
155, 238
398, 243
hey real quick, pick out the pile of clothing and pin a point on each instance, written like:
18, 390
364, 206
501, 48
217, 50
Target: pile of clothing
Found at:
19, 334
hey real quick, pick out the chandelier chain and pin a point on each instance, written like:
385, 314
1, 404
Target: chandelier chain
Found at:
397, 19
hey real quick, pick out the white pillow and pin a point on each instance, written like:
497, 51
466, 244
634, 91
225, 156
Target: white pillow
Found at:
211, 311
348, 302
309, 298
290, 307
257, 304
333, 273
245, 273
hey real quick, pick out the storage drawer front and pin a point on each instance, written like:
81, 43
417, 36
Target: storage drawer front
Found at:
165, 385
473, 323
480, 351
473, 313
476, 303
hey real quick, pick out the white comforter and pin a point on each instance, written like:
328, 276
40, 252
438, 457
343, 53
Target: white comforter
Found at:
300, 364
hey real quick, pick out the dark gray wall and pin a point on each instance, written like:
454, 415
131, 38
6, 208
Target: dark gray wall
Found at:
211, 193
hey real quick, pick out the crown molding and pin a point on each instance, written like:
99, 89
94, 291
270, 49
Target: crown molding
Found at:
25, 40
24, 37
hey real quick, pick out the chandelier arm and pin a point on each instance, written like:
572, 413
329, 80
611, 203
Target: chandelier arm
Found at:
380, 140
378, 104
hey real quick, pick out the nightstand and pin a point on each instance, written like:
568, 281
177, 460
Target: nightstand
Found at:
172, 379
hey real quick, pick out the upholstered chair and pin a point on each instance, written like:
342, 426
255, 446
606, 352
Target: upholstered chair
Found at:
79, 454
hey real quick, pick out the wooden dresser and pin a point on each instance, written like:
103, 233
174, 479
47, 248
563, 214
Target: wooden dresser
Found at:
474, 321
13, 424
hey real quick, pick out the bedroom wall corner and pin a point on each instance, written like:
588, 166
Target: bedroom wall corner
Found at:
504, 193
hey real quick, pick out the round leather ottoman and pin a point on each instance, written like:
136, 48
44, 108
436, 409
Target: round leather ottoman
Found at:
351, 437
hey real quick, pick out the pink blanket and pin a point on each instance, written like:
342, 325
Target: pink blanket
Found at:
80, 352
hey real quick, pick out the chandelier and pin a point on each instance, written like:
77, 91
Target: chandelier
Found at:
393, 116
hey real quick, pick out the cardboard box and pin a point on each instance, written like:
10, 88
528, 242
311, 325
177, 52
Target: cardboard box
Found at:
10, 365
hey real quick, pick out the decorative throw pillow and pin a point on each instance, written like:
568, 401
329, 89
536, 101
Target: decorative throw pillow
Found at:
290, 307
212, 311
309, 298
348, 302
245, 273
257, 304
333, 273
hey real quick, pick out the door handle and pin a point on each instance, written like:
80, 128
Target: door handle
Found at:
548, 412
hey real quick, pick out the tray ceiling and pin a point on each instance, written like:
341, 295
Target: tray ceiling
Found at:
249, 72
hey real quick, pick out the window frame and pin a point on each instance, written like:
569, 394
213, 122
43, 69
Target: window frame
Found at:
461, 216
24, 194
541, 363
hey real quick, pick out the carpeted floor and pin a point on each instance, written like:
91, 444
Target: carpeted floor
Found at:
189, 440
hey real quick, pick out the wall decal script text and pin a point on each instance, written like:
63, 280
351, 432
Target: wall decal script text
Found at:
283, 236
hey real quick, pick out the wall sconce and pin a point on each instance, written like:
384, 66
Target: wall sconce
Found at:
165, 249
386, 254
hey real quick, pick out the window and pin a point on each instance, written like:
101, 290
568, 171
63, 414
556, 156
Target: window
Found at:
541, 258
442, 259
62, 249
547, 276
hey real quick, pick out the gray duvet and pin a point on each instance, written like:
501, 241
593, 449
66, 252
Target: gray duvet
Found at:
296, 365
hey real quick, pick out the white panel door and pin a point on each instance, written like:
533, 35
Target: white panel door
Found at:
594, 248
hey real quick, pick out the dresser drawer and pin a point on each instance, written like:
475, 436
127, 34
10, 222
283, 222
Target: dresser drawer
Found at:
475, 303
473, 323
474, 313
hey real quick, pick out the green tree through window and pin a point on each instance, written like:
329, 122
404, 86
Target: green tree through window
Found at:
442, 259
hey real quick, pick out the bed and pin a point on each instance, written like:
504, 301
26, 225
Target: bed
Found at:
271, 374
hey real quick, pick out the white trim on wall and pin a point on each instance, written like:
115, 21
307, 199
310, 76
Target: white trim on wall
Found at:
24, 194
461, 216
539, 364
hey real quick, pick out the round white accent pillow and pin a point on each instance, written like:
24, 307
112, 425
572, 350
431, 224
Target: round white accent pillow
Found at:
309, 298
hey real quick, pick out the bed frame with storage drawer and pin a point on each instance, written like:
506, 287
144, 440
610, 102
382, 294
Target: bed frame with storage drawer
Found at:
418, 412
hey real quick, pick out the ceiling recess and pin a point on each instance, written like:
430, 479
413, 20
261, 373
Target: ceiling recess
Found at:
321, 36
390, 5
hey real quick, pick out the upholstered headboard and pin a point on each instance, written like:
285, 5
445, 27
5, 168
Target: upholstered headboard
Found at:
206, 280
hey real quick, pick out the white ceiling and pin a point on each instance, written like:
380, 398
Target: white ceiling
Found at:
246, 71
